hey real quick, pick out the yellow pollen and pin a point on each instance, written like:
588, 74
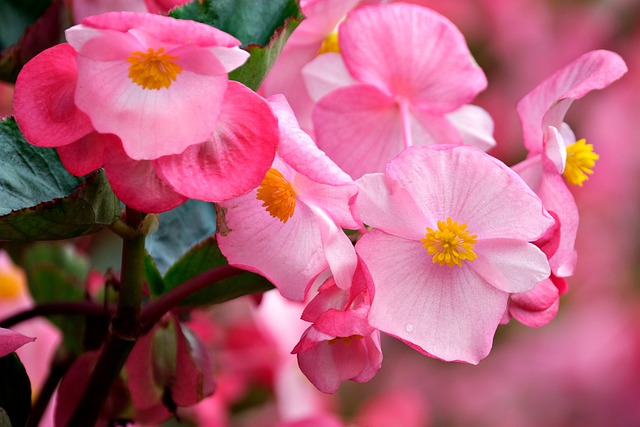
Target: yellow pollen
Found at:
451, 243
330, 43
154, 69
580, 162
11, 285
346, 340
278, 195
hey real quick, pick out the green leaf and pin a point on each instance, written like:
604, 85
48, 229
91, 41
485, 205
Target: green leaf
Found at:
206, 256
27, 27
40, 200
56, 273
5, 421
15, 390
180, 229
262, 26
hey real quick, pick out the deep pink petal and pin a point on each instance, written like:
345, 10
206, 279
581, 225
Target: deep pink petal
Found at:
510, 265
151, 123
137, 184
234, 160
143, 389
177, 31
380, 199
536, 307
469, 186
289, 254
413, 52
10, 341
359, 127
87, 154
43, 101
194, 370
446, 312
547, 104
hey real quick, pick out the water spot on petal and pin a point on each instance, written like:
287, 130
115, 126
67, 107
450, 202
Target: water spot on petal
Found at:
408, 327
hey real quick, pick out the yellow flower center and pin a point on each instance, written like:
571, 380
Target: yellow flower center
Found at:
451, 243
277, 195
330, 43
580, 162
11, 285
154, 69
345, 340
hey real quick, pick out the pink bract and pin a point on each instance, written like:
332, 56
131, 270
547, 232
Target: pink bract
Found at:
408, 68
448, 311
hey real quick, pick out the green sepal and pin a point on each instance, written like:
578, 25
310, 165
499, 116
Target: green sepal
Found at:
40, 200
15, 391
262, 28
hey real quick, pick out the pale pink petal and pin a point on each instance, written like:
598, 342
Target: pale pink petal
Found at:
43, 101
87, 154
379, 201
360, 128
547, 104
427, 128
510, 265
469, 186
167, 29
83, 8
446, 312
236, 157
230, 58
136, 183
289, 254
555, 148
336, 200
10, 341
297, 148
151, 123
475, 125
413, 52
326, 73
536, 307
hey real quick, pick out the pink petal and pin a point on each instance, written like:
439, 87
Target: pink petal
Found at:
289, 254
150, 123
413, 52
359, 127
536, 307
166, 29
43, 102
144, 390
380, 199
298, 149
10, 341
234, 160
446, 312
475, 125
325, 74
510, 265
87, 154
547, 104
336, 200
137, 184
194, 370
480, 191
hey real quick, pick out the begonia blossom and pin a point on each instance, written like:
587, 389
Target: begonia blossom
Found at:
169, 126
556, 157
289, 228
403, 76
451, 240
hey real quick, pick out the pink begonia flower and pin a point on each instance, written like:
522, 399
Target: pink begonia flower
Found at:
174, 127
403, 77
10, 341
554, 151
451, 241
340, 345
289, 229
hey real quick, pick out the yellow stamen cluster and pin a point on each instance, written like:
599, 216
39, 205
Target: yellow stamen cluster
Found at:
330, 44
11, 285
278, 195
451, 243
345, 340
581, 160
154, 69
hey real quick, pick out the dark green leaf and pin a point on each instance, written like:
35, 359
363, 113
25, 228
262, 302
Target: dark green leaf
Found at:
15, 390
206, 256
56, 273
5, 421
27, 27
261, 26
40, 200
153, 277
180, 229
